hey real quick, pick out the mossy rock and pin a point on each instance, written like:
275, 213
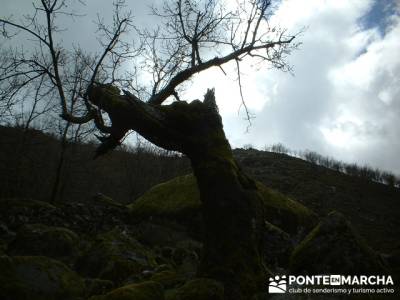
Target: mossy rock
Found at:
37, 277
198, 289
284, 212
148, 290
115, 256
334, 247
176, 198
179, 199
38, 239
276, 246
16, 212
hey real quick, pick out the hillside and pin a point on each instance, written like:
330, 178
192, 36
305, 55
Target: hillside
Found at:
145, 241
28, 163
374, 208
30, 160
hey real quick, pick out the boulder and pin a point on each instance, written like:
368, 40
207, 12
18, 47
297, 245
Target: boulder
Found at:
18, 211
334, 247
38, 239
179, 199
276, 247
114, 256
38, 277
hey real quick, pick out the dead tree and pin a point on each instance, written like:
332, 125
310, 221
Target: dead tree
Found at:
194, 36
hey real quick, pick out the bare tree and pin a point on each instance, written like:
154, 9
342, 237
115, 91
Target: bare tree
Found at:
194, 35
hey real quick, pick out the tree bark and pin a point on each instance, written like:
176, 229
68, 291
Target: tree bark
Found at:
60, 165
232, 209
232, 214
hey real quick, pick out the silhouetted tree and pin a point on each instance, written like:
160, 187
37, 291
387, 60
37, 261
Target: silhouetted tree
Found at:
312, 157
279, 148
195, 35
389, 178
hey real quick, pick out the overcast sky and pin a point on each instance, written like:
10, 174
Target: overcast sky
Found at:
343, 99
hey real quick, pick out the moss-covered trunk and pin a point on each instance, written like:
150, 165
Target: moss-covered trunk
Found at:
231, 201
232, 215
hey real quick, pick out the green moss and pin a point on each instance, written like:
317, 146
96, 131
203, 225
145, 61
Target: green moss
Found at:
232, 259
174, 198
115, 256
148, 290
276, 247
200, 127
198, 289
37, 277
334, 247
304, 245
180, 197
106, 96
284, 212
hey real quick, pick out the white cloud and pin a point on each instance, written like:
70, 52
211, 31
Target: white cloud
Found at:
368, 87
345, 98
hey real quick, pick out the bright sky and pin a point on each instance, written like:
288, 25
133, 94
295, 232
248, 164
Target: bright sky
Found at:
344, 98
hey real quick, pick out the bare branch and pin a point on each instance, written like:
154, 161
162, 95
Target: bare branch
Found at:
26, 29
195, 35
248, 114
217, 61
205, 30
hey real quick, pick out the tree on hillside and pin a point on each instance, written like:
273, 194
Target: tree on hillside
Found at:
193, 36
